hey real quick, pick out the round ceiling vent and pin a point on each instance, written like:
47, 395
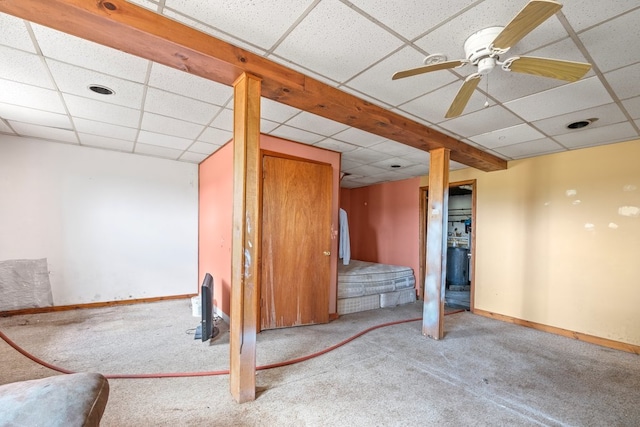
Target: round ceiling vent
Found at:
580, 123
102, 90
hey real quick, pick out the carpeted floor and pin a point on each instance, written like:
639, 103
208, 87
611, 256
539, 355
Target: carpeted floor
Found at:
484, 372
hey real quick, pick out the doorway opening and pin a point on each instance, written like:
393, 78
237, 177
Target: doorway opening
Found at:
459, 290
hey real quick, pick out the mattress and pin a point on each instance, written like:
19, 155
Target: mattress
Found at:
353, 305
361, 278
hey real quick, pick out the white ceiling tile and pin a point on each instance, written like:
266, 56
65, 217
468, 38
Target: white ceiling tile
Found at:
105, 142
335, 145
481, 121
396, 149
614, 44
83, 53
154, 150
633, 107
52, 134
449, 39
15, 34
622, 85
25, 68
267, 126
507, 136
108, 130
420, 157
203, 148
223, 120
76, 81
376, 81
166, 125
4, 128
387, 176
348, 164
319, 41
592, 136
365, 170
580, 95
161, 140
295, 134
276, 111
180, 107
314, 123
391, 163
260, 23
189, 85
417, 170
29, 115
216, 136
557, 125
586, 13
358, 137
423, 15
363, 156
148, 4
101, 111
192, 157
30, 96
530, 148
433, 106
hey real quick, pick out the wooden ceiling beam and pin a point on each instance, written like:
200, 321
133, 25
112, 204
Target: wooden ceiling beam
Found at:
141, 32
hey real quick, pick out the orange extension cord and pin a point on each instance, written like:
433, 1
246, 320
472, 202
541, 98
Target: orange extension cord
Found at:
211, 373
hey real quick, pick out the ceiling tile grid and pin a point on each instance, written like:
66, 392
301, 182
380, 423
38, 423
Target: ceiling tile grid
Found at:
354, 45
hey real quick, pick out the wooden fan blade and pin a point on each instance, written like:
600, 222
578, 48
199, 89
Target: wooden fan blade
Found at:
428, 68
463, 96
545, 67
532, 15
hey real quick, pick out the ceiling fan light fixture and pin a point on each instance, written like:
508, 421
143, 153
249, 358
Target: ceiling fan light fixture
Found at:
485, 65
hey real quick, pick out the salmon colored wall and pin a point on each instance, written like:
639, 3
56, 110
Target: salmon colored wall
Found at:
384, 222
216, 216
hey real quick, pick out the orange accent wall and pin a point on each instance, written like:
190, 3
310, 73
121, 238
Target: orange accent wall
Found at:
215, 214
384, 222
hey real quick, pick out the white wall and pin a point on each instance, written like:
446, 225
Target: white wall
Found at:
112, 226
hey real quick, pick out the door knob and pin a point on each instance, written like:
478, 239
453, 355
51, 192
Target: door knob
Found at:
327, 253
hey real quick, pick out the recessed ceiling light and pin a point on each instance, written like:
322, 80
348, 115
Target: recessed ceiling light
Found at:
581, 123
102, 90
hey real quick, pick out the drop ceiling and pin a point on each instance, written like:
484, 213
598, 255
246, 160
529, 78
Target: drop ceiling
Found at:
352, 45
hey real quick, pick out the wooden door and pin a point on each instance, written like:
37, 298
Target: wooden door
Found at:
296, 240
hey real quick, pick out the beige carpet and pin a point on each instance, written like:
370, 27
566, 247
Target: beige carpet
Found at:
484, 372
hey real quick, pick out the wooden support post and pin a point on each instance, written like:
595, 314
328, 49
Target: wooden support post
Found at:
437, 213
245, 245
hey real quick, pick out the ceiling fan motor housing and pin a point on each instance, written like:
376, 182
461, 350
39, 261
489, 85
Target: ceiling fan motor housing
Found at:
478, 47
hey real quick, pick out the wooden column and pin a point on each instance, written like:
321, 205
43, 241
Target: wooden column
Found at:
437, 214
245, 245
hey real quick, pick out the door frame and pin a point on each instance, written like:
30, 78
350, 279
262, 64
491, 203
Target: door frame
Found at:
423, 194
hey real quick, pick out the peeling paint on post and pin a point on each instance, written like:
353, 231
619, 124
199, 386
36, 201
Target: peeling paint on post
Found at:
245, 246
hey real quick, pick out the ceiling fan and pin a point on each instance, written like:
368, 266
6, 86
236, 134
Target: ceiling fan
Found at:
483, 49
